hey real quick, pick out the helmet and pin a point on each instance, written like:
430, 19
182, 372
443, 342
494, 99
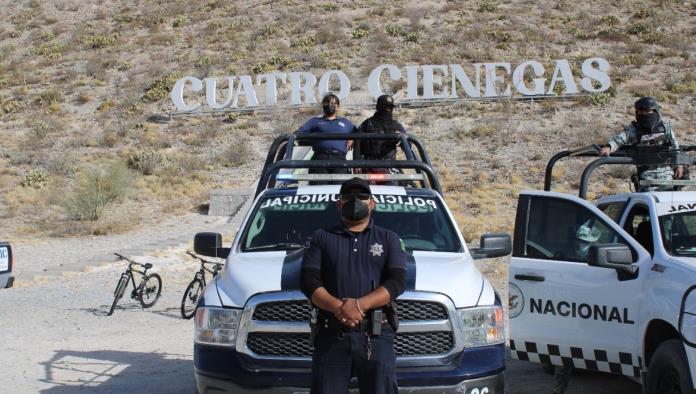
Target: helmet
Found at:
385, 102
646, 103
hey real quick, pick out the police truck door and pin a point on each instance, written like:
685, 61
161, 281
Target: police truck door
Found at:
562, 310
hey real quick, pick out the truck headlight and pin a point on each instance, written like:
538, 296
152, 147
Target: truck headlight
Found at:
482, 326
217, 326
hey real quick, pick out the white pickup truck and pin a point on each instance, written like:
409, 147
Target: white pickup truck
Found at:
607, 286
252, 323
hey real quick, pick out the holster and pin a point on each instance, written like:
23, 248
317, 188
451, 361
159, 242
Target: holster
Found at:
392, 315
313, 324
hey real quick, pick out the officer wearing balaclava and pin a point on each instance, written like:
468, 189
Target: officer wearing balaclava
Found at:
648, 130
381, 122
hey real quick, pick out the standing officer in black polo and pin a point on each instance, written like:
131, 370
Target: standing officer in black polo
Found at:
339, 268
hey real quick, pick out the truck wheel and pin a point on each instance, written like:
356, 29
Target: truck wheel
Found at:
668, 372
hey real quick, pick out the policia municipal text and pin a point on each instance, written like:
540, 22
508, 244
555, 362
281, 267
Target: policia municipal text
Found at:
351, 273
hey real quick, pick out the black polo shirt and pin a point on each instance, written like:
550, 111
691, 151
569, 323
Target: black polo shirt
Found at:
348, 262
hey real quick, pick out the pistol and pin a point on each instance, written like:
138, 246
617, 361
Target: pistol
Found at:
376, 317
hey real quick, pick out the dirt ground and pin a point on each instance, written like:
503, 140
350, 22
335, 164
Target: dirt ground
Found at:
56, 338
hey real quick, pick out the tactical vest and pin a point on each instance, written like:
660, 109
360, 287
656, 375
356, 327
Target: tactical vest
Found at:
380, 149
658, 137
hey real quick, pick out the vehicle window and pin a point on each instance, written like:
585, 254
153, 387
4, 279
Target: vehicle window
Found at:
286, 222
613, 210
639, 213
679, 234
564, 231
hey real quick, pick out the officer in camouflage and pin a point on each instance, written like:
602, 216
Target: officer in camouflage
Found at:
648, 130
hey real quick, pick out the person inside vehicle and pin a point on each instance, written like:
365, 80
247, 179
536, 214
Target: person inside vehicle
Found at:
330, 123
586, 236
648, 130
382, 121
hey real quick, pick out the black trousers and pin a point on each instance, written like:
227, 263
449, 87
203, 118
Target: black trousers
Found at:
327, 155
338, 356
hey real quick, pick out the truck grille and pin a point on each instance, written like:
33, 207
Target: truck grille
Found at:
279, 344
294, 344
282, 311
299, 311
297, 345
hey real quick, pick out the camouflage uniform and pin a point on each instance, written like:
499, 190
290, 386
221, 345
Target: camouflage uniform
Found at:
662, 136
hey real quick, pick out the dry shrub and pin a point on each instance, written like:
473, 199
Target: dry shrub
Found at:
237, 154
115, 225
61, 163
182, 178
27, 201
95, 189
145, 162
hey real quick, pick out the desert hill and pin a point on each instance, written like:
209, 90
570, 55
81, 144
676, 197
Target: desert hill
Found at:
84, 87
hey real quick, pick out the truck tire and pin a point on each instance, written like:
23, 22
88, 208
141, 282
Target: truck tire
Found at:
668, 372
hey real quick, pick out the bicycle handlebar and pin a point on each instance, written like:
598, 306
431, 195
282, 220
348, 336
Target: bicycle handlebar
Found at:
195, 256
122, 257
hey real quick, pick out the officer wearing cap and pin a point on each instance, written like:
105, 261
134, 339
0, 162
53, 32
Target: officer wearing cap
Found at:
329, 123
381, 122
350, 272
648, 130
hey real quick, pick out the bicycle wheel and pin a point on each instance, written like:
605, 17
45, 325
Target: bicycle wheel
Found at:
149, 290
190, 299
118, 292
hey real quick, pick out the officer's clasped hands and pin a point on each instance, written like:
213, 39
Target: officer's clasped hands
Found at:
349, 314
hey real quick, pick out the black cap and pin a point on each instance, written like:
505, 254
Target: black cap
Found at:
354, 185
646, 103
385, 101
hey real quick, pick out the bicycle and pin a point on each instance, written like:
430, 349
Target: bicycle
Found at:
147, 292
189, 302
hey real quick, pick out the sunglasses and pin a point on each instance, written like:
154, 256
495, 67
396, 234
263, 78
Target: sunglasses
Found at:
361, 196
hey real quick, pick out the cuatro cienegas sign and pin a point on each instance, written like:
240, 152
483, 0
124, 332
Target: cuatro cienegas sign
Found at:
422, 83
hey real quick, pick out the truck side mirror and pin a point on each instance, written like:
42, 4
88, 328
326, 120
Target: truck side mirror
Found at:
616, 256
210, 244
492, 245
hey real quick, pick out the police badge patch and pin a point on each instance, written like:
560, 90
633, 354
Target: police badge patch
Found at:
376, 249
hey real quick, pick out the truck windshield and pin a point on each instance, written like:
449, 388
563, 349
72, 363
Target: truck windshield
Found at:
679, 233
286, 222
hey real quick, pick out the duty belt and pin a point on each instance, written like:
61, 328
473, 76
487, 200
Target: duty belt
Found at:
331, 323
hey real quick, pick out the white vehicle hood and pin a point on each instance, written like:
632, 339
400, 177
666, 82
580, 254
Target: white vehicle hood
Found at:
452, 274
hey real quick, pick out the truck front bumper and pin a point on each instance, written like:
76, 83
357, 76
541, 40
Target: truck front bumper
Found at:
493, 384
478, 371
6, 280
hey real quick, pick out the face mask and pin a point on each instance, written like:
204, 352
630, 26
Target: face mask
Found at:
647, 122
355, 209
329, 109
